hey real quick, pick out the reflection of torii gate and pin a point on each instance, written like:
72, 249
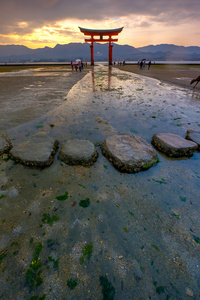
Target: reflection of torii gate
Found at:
101, 33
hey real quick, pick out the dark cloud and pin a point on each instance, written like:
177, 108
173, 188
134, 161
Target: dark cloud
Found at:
18, 29
41, 12
64, 31
144, 24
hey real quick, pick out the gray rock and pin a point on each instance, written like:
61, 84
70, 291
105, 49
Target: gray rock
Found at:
5, 145
13, 192
173, 145
38, 151
129, 153
78, 152
193, 136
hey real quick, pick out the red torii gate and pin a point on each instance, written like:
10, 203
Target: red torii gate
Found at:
101, 33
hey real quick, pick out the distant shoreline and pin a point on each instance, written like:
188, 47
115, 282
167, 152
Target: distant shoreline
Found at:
37, 64
99, 62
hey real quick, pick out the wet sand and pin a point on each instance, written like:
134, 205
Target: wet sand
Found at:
28, 93
139, 236
180, 75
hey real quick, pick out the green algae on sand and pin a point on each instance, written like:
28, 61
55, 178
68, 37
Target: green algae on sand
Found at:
71, 283
84, 202
108, 290
33, 274
63, 197
49, 220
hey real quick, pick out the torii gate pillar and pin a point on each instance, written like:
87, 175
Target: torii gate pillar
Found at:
110, 54
101, 33
92, 54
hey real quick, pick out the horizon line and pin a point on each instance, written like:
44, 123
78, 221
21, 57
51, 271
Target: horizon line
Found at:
100, 44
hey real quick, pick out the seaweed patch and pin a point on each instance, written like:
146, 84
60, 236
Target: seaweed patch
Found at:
33, 274
2, 256
49, 220
71, 283
55, 263
84, 202
63, 197
108, 290
87, 252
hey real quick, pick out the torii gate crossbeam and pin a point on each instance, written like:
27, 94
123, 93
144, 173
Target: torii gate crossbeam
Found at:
101, 33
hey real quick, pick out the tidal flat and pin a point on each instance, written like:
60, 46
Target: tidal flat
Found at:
75, 232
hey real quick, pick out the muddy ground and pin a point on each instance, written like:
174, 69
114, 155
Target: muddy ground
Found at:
177, 75
137, 236
28, 93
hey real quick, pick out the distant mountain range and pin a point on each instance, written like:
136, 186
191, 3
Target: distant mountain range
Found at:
72, 51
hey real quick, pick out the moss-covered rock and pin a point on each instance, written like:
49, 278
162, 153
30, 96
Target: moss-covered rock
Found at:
38, 151
173, 145
129, 153
5, 145
193, 136
78, 152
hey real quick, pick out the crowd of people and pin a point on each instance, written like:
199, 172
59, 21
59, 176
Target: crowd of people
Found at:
142, 64
120, 63
78, 65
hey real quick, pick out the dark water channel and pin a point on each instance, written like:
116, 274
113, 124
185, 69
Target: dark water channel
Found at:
139, 236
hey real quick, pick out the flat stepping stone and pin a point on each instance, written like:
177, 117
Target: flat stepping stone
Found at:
38, 151
193, 136
129, 153
173, 145
78, 152
5, 145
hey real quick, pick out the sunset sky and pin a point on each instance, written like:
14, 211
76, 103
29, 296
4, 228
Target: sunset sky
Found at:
40, 23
